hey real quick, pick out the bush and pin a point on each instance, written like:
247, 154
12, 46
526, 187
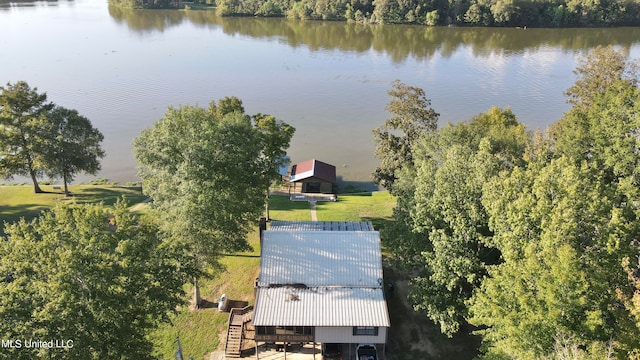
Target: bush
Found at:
101, 181
270, 9
432, 18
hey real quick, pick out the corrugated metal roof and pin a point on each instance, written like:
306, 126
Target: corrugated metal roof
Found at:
323, 306
321, 258
313, 169
321, 226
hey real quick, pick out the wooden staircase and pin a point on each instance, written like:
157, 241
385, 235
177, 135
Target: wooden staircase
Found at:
238, 318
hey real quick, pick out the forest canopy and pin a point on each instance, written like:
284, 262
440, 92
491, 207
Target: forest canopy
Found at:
530, 239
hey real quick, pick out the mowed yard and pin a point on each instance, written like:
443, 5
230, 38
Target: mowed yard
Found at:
19, 201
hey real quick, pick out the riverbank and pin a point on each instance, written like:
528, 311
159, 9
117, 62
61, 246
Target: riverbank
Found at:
189, 5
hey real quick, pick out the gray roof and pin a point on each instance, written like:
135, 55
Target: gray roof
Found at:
321, 258
321, 225
323, 306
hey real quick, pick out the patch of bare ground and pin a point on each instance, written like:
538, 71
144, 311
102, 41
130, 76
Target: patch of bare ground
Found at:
413, 336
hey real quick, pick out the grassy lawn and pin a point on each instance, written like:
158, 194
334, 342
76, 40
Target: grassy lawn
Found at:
20, 202
376, 207
280, 208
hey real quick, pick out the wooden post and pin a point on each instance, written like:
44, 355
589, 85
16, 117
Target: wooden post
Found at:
263, 228
256, 350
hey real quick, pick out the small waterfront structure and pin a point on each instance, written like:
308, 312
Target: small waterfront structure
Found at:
312, 176
321, 282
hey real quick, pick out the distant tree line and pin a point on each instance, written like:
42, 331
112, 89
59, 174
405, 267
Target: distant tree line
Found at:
547, 13
147, 4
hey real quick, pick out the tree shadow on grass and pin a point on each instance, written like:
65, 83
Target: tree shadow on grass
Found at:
379, 224
413, 336
13, 213
282, 203
108, 196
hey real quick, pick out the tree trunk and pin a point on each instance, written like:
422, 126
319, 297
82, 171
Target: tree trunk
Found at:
266, 206
36, 187
196, 294
66, 189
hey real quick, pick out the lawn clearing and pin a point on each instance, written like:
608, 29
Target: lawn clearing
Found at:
376, 207
21, 202
281, 208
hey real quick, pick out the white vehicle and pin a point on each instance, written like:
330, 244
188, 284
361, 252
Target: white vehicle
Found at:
366, 352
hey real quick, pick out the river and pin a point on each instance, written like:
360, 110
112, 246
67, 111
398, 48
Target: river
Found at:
122, 68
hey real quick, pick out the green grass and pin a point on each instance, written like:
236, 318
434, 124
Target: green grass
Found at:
281, 208
376, 207
357, 207
21, 202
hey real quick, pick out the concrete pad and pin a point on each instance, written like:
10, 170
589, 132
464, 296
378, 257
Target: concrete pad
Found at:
305, 353
217, 355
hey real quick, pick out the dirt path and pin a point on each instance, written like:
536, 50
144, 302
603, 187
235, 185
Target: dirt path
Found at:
412, 336
139, 205
312, 206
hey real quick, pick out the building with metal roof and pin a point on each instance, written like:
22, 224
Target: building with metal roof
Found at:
321, 225
321, 283
314, 176
321, 258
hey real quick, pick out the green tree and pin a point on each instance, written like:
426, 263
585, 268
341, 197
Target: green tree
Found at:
432, 18
275, 136
596, 72
73, 147
452, 165
23, 132
566, 224
562, 231
206, 170
412, 117
97, 277
630, 296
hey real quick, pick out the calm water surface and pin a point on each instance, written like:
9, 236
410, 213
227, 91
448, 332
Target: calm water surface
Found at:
123, 68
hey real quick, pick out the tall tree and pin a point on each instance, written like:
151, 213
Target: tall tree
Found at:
453, 164
275, 136
411, 117
73, 146
23, 131
563, 231
598, 71
566, 225
205, 170
97, 287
